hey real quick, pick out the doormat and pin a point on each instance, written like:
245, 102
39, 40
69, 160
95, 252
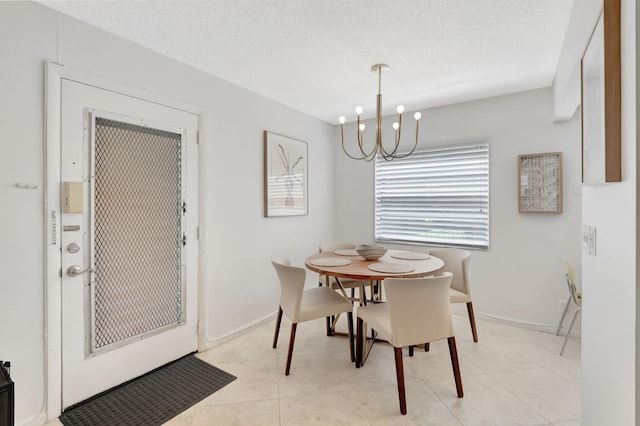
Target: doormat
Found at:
151, 399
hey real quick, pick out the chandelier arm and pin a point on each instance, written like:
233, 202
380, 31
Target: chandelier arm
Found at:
392, 154
364, 156
361, 142
359, 134
414, 145
345, 149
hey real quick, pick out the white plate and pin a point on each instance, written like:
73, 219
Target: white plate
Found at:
390, 268
330, 261
346, 252
409, 255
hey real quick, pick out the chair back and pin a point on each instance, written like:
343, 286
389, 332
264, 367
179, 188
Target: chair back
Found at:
419, 309
332, 246
571, 284
456, 261
335, 245
291, 287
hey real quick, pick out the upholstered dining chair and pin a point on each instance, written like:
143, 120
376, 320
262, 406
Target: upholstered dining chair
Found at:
300, 305
457, 261
347, 283
417, 310
574, 296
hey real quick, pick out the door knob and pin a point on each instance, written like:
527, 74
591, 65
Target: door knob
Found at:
75, 270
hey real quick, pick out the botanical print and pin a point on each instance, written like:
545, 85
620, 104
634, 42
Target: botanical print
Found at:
285, 176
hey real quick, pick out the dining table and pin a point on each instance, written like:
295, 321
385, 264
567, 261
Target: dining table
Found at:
347, 263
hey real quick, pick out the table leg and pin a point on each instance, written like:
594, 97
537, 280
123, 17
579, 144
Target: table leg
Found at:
367, 342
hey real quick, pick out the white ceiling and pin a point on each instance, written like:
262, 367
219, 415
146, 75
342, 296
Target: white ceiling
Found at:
316, 55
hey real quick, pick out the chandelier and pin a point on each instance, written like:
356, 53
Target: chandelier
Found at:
378, 148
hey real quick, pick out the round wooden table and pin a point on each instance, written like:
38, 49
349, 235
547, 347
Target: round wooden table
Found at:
358, 269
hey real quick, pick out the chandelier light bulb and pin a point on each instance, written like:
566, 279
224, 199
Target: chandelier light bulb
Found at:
400, 109
417, 116
358, 110
362, 127
341, 119
395, 126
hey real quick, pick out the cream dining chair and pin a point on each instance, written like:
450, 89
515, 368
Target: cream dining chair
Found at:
457, 261
417, 311
347, 283
300, 305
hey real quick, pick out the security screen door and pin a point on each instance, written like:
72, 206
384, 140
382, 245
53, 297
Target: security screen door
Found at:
128, 238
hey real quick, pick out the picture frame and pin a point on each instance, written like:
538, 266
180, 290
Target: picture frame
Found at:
285, 176
600, 100
540, 183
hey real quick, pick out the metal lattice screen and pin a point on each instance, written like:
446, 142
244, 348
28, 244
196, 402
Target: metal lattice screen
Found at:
137, 232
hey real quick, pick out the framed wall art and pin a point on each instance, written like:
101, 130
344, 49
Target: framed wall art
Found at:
600, 100
285, 176
540, 183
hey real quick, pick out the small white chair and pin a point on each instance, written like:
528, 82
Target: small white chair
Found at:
457, 261
300, 305
576, 297
417, 311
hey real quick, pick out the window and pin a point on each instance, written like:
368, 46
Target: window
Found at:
436, 196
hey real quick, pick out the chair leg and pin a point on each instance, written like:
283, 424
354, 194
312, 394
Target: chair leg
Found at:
426, 347
564, 313
291, 341
329, 321
359, 343
351, 344
411, 350
454, 363
573, 322
400, 379
472, 320
278, 321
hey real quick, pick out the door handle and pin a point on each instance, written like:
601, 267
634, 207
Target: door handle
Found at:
75, 270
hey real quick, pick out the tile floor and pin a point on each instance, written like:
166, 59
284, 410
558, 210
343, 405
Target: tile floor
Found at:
512, 376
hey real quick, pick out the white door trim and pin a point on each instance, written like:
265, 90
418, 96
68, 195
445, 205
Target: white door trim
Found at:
54, 74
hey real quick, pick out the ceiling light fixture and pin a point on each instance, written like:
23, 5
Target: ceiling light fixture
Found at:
379, 149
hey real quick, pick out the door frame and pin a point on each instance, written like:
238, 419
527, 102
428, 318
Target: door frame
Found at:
54, 75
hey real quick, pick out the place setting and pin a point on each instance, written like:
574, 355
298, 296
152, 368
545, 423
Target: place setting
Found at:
409, 255
330, 261
391, 268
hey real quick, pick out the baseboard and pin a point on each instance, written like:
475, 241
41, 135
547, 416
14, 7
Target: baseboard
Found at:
546, 328
212, 343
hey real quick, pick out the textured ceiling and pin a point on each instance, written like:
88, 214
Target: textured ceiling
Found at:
316, 55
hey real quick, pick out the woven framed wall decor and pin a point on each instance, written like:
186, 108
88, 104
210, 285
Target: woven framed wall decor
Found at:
540, 183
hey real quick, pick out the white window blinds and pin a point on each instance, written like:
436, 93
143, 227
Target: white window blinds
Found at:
436, 196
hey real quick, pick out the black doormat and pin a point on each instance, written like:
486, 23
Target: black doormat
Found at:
152, 399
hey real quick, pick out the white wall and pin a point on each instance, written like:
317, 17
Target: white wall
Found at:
610, 315
521, 276
609, 336
237, 242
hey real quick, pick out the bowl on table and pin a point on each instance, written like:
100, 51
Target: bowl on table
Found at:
371, 252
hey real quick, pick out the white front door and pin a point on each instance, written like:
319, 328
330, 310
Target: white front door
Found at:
128, 237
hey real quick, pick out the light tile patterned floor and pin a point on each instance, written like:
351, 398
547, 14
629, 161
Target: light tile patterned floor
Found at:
512, 376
